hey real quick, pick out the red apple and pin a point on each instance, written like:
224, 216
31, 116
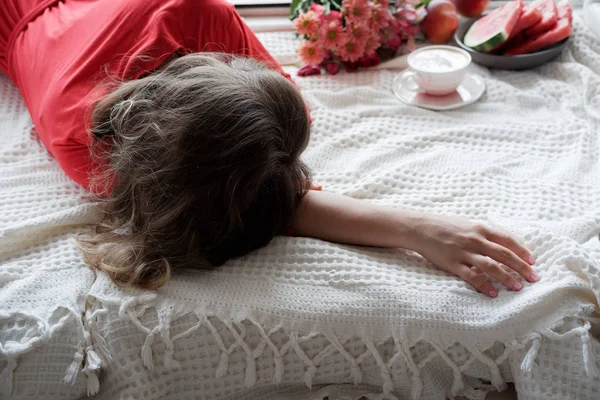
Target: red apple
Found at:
441, 21
471, 8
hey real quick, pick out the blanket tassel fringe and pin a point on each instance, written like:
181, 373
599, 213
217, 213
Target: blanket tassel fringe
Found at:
402, 348
6, 376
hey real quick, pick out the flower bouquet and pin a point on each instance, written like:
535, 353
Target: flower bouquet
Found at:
351, 34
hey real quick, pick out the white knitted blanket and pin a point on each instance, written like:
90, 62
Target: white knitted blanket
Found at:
303, 313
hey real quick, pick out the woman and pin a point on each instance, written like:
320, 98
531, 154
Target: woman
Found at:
196, 142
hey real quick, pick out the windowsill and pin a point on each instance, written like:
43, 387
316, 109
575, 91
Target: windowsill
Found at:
272, 15
262, 8
265, 15
269, 24
282, 12
269, 3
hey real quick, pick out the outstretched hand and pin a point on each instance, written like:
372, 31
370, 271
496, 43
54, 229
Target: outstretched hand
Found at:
473, 252
469, 250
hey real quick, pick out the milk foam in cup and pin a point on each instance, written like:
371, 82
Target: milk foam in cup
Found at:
437, 70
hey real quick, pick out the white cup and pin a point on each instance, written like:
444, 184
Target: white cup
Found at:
435, 83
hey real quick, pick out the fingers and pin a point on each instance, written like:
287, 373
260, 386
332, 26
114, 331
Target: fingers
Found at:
477, 279
505, 256
505, 240
495, 270
311, 186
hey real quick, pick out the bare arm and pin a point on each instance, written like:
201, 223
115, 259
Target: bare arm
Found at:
342, 219
463, 248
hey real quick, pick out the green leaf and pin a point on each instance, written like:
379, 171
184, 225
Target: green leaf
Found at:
336, 5
295, 8
423, 3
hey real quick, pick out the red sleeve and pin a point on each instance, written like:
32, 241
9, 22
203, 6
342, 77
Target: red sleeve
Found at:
255, 49
215, 26
63, 53
243, 38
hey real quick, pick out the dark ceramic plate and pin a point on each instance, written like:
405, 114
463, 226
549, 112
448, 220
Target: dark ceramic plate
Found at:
519, 62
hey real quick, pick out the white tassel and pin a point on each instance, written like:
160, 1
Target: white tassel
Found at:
165, 333
168, 359
250, 371
308, 375
388, 386
278, 360
474, 394
223, 364
147, 351
496, 378
6, 376
417, 387
589, 358
100, 343
458, 384
92, 359
93, 385
356, 373
401, 339
74, 369
132, 302
528, 365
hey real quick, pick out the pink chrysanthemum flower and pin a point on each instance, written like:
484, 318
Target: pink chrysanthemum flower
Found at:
351, 50
307, 23
399, 26
317, 8
358, 32
333, 16
386, 34
381, 17
357, 10
332, 35
372, 44
311, 52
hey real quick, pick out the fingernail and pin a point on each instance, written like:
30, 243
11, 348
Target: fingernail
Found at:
517, 286
531, 260
534, 277
493, 293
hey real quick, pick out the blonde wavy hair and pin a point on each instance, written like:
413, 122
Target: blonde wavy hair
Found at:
204, 163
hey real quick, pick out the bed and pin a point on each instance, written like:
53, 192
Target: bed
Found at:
306, 319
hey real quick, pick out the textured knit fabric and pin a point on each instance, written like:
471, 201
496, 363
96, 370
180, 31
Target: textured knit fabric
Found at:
302, 313
59, 53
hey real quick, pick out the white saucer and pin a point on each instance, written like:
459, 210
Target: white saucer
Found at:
468, 92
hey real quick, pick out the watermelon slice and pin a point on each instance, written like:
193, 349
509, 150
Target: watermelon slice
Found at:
529, 17
549, 17
513, 41
493, 29
564, 11
561, 31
